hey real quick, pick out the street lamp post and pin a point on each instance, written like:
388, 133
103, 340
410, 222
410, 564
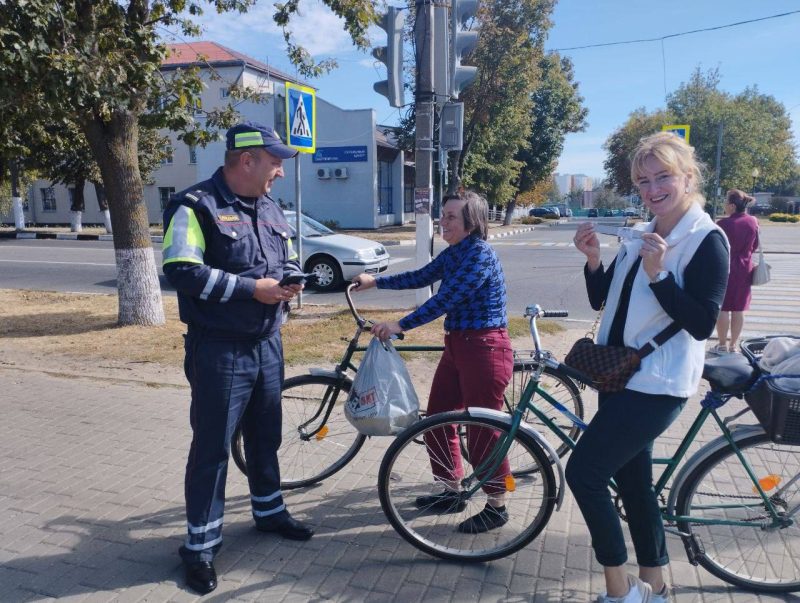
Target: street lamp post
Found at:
755, 175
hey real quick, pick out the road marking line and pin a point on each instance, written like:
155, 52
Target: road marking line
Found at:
52, 262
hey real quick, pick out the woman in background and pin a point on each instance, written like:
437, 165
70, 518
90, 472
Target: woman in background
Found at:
742, 232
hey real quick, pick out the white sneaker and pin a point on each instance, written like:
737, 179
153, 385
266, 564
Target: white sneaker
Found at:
661, 597
640, 592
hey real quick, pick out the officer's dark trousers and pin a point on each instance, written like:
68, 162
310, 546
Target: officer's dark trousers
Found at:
230, 381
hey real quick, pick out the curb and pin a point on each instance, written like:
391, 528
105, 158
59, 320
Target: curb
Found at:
489, 238
76, 236
67, 236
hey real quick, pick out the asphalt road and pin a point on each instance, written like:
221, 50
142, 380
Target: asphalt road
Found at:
540, 266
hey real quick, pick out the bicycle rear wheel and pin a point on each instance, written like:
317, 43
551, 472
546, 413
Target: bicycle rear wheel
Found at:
405, 474
317, 438
757, 557
559, 386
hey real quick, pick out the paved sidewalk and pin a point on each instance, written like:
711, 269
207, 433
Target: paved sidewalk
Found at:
92, 503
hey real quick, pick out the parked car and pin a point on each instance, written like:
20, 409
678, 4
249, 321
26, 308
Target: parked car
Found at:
608, 213
336, 258
564, 210
545, 212
592, 213
630, 212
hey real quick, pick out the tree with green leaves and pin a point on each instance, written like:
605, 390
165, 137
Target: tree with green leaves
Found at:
557, 110
497, 106
756, 134
97, 63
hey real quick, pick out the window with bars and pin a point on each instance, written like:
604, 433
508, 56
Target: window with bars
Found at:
167, 160
385, 202
48, 199
164, 193
192, 155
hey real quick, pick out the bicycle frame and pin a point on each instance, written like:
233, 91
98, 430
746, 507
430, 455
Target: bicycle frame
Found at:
710, 403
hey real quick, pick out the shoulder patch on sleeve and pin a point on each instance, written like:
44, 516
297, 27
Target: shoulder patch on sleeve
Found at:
194, 196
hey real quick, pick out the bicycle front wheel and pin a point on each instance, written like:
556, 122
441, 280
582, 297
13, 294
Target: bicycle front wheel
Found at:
317, 439
763, 555
405, 474
562, 389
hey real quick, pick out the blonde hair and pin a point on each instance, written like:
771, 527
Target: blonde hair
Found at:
673, 152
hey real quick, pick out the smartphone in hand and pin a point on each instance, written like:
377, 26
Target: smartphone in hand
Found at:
297, 279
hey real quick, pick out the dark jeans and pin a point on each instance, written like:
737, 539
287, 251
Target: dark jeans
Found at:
619, 443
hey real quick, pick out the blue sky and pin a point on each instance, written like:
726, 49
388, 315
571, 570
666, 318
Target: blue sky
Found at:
613, 80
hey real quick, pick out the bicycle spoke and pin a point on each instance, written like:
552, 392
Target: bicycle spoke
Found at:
406, 474
757, 548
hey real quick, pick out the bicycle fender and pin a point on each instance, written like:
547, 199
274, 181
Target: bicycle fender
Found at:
321, 372
487, 413
738, 432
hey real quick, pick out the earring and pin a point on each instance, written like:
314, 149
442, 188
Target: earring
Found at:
686, 190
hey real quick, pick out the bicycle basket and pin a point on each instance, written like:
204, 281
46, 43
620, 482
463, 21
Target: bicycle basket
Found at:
777, 409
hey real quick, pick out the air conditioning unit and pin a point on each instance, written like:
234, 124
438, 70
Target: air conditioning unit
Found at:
324, 173
340, 172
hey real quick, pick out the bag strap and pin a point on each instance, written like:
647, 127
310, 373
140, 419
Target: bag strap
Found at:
660, 339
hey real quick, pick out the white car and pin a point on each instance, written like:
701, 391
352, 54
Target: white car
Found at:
336, 258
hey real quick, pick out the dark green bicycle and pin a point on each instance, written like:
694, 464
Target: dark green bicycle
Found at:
734, 502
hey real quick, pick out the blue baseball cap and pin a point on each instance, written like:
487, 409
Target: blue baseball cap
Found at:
253, 134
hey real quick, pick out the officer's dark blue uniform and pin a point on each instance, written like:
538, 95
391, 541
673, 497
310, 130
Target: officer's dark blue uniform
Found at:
216, 246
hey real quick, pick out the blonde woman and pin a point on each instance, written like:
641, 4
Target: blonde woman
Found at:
676, 272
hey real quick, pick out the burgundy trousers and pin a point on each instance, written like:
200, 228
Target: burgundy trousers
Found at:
474, 370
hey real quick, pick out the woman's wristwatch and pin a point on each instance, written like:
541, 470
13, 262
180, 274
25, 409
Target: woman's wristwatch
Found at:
659, 277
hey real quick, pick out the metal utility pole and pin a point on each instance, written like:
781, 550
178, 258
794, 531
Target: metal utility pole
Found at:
717, 192
424, 36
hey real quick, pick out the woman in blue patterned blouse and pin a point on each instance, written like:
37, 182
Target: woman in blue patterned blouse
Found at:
477, 362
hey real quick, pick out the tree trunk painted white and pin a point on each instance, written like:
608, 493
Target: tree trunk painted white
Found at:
114, 140
76, 221
107, 221
19, 214
138, 287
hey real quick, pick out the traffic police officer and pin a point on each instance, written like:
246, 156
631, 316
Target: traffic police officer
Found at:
226, 247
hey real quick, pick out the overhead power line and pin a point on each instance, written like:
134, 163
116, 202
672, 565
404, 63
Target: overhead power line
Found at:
677, 35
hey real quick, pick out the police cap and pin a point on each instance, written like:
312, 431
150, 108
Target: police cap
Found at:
253, 134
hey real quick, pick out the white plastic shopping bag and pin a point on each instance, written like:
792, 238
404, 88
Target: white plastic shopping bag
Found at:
382, 400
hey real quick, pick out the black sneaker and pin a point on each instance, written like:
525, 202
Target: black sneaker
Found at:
488, 519
448, 501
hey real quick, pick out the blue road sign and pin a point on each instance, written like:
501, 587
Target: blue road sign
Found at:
301, 111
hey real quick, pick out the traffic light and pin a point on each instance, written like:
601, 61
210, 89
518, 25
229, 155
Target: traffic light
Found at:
392, 55
462, 42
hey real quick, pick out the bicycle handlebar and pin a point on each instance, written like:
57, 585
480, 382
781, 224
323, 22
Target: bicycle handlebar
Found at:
359, 320
362, 322
535, 311
554, 314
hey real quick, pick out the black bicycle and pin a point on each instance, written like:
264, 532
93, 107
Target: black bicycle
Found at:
318, 440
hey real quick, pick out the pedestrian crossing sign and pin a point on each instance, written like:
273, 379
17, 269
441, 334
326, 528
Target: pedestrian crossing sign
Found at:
301, 113
682, 130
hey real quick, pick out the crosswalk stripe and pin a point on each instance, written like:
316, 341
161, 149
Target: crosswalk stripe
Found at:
775, 307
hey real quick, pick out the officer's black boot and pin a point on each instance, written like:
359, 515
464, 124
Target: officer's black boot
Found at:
201, 576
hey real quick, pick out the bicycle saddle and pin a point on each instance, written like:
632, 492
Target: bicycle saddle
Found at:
730, 374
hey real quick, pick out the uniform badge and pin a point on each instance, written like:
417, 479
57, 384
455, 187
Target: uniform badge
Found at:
228, 218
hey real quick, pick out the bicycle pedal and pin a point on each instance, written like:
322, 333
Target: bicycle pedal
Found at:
694, 548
